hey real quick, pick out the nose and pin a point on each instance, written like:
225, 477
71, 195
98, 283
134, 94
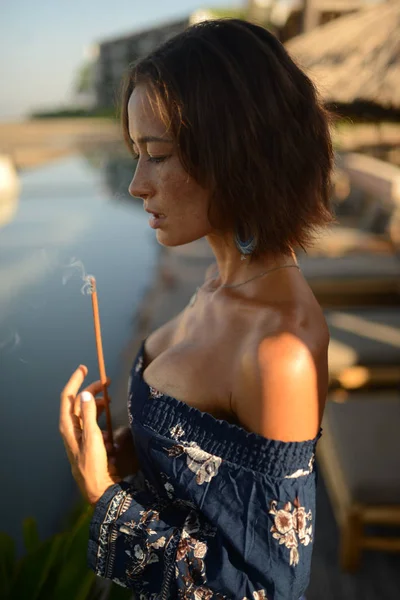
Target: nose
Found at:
140, 186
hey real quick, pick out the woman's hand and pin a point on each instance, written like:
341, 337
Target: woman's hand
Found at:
83, 438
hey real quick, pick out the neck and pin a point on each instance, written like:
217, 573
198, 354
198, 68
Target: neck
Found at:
233, 270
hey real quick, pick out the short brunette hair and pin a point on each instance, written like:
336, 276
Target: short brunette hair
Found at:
249, 127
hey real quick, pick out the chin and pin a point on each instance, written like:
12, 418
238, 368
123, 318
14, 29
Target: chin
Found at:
170, 241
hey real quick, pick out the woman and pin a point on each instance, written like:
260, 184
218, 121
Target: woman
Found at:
226, 400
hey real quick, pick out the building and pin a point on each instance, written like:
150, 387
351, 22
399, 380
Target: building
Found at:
285, 18
115, 55
294, 17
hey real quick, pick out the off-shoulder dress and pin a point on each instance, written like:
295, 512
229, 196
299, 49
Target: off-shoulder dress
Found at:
215, 512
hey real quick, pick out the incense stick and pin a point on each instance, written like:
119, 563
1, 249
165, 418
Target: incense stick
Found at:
100, 357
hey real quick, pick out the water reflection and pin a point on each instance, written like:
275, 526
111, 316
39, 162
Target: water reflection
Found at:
117, 167
67, 210
9, 190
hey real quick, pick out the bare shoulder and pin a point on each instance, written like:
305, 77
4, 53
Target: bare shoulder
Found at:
282, 377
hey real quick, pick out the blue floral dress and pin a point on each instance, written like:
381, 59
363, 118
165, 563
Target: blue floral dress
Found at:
214, 513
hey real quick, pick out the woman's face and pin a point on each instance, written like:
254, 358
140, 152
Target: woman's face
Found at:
160, 179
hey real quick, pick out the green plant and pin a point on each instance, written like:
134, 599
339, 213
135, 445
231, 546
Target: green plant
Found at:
75, 113
55, 568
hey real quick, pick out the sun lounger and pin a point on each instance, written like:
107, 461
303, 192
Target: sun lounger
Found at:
364, 348
359, 458
355, 280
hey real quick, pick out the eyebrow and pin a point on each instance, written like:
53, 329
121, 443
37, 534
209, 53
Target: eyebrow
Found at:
151, 138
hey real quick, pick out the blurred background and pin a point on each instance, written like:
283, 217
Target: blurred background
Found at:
64, 175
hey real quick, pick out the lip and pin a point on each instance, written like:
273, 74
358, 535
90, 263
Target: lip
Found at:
155, 222
155, 212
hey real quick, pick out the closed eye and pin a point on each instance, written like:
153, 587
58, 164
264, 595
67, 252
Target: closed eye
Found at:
153, 159
157, 159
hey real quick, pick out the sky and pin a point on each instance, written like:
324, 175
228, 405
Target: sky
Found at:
43, 43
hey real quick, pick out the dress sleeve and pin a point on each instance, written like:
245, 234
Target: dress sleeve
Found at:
239, 527
133, 539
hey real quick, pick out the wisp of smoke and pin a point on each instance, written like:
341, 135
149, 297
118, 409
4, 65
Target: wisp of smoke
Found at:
10, 342
76, 264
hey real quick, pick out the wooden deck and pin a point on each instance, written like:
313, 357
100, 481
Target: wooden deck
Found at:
377, 579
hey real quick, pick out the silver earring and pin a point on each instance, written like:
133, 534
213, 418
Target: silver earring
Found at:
245, 248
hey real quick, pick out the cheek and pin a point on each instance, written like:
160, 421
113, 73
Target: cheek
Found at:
174, 178
176, 186
191, 201
184, 196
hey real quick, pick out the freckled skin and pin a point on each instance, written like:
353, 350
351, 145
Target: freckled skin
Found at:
165, 186
275, 323
263, 344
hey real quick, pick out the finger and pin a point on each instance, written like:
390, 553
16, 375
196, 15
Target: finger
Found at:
75, 382
100, 404
67, 425
96, 387
88, 416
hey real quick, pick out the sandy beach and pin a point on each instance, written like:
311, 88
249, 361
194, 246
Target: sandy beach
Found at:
36, 142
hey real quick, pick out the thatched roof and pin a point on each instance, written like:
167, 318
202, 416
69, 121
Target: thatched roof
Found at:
355, 57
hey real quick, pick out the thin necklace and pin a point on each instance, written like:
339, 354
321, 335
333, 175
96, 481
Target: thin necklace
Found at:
234, 285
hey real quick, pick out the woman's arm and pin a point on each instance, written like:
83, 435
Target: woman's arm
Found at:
279, 391
242, 533
234, 524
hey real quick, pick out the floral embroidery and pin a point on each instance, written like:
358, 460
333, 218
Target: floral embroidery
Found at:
301, 472
160, 543
105, 556
139, 364
290, 528
130, 395
190, 569
260, 595
192, 523
120, 582
203, 464
187, 543
130, 418
169, 488
150, 551
177, 432
144, 548
155, 393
